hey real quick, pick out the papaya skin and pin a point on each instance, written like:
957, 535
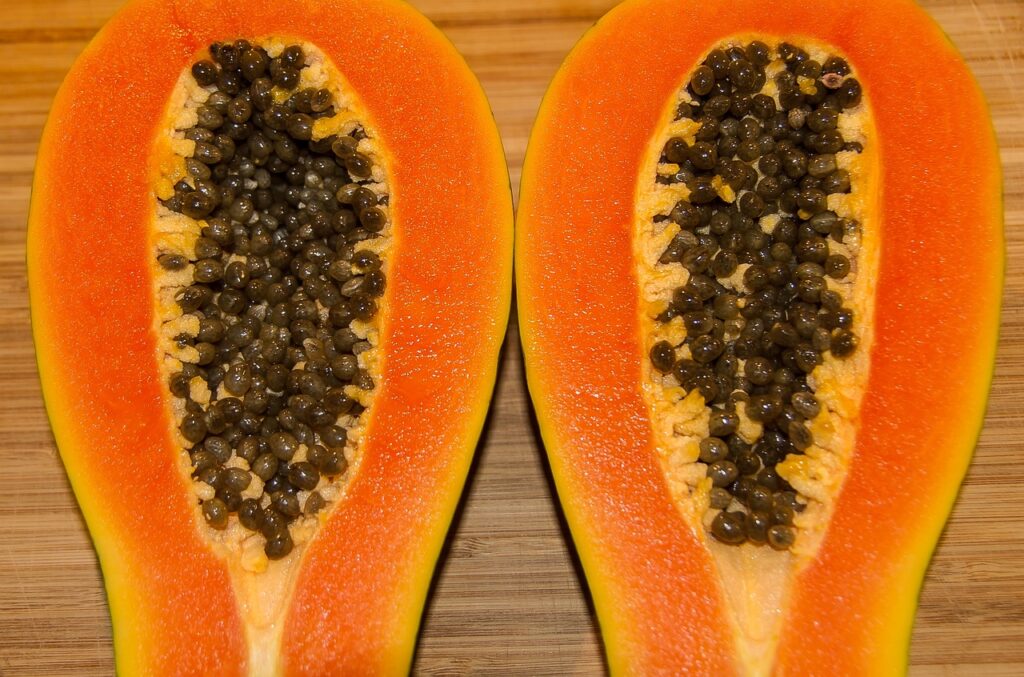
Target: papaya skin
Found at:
937, 309
359, 595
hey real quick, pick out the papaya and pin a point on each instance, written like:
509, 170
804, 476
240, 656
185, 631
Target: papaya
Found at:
270, 267
759, 257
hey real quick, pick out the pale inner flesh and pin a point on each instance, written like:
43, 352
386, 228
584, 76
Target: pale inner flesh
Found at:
754, 579
262, 585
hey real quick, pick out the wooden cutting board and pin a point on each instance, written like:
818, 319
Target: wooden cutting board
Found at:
509, 598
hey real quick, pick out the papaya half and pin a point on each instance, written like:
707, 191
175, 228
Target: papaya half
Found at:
270, 250
759, 261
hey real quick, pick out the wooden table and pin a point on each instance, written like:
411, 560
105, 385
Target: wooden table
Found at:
509, 598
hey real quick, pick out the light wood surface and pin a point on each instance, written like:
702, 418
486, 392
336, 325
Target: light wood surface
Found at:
509, 597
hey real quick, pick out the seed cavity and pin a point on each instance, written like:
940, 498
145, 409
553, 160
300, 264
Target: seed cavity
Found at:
753, 264
271, 255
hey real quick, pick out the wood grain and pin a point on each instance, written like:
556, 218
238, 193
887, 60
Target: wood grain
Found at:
508, 597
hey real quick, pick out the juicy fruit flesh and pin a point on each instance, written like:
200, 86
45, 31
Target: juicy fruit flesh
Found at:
760, 260
273, 231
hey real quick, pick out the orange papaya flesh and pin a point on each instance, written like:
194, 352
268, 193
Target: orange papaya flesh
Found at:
354, 591
668, 595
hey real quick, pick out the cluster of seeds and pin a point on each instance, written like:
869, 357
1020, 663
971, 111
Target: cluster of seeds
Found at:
277, 281
759, 242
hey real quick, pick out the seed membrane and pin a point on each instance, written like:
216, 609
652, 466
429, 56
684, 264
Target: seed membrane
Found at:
278, 367
684, 176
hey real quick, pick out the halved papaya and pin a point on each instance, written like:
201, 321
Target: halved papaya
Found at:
270, 270
759, 261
